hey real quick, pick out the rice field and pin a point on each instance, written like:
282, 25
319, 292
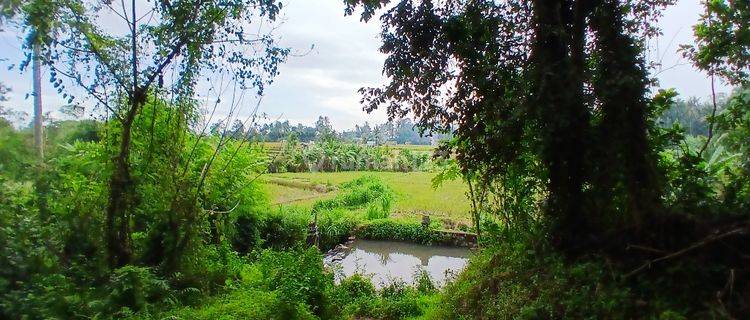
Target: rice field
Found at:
414, 193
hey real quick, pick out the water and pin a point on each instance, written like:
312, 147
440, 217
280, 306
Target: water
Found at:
391, 261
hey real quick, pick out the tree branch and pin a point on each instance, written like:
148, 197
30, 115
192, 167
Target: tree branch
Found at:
706, 241
713, 116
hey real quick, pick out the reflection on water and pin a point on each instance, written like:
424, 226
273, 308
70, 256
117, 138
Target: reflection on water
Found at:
389, 261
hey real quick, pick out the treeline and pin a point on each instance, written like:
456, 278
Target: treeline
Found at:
692, 114
401, 131
333, 155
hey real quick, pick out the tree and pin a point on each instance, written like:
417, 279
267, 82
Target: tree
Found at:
8, 10
723, 49
37, 87
722, 39
550, 82
323, 128
165, 49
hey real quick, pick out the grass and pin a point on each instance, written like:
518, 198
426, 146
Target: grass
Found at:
414, 192
287, 195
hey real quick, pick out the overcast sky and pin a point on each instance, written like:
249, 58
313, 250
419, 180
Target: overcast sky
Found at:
324, 80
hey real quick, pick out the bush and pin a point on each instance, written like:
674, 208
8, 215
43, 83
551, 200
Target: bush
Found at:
336, 218
514, 281
281, 228
356, 297
279, 285
352, 295
400, 230
335, 226
298, 278
133, 289
381, 207
249, 303
360, 193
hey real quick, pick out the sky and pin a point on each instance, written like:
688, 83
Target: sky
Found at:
334, 55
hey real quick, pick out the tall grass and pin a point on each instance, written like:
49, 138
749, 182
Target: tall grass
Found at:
364, 192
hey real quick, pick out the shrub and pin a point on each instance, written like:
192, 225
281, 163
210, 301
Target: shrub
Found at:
513, 281
281, 228
381, 207
398, 301
360, 193
352, 296
248, 303
335, 226
399, 230
298, 278
132, 289
355, 297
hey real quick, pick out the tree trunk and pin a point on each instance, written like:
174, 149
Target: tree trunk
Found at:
119, 252
121, 189
38, 115
621, 85
558, 98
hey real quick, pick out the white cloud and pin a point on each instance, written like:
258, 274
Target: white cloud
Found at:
325, 80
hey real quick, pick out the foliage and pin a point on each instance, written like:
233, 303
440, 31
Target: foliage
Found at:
558, 138
722, 38
332, 155
517, 115
52, 236
400, 230
336, 225
365, 191
355, 297
124, 73
279, 228
592, 205
252, 304
514, 281
133, 288
401, 131
733, 169
298, 278
279, 285
690, 114
15, 155
413, 192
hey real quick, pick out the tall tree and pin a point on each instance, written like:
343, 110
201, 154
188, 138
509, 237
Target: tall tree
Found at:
9, 9
36, 70
552, 82
164, 50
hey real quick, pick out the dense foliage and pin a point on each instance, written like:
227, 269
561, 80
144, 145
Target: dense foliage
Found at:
401, 131
592, 196
333, 155
568, 153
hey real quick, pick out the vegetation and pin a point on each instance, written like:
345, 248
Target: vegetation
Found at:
401, 131
592, 197
332, 155
413, 192
556, 135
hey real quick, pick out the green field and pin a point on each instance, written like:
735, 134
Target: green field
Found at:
414, 192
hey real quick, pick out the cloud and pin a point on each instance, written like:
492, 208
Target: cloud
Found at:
345, 57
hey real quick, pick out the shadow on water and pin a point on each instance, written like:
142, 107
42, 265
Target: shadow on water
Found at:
389, 261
